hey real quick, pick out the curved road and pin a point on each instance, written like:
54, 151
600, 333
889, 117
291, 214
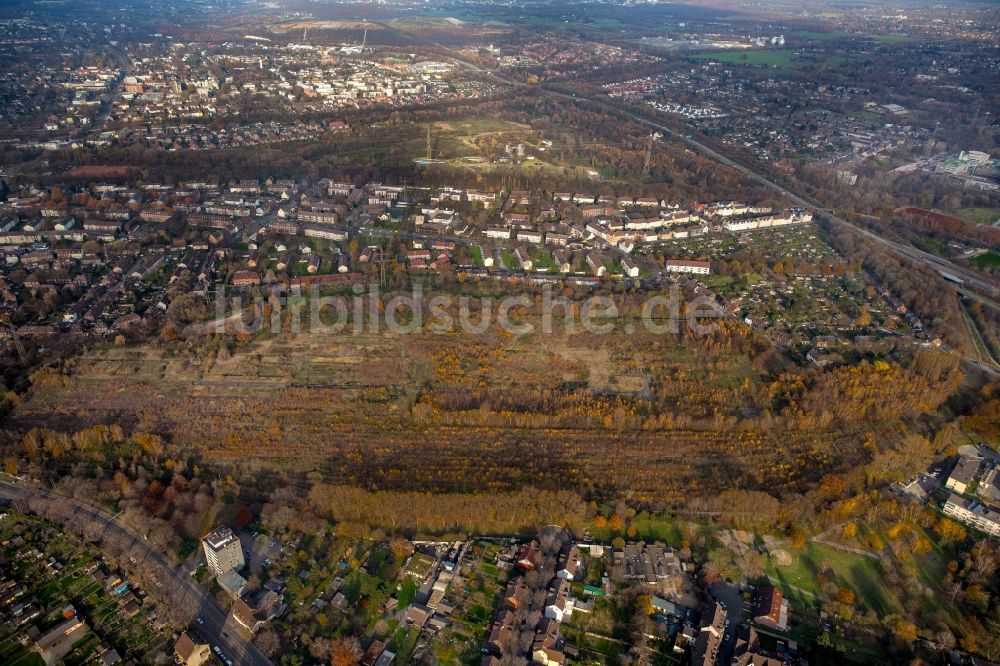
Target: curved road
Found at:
192, 597
987, 292
974, 286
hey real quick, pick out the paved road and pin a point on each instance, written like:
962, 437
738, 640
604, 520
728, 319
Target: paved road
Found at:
193, 598
975, 286
729, 595
972, 285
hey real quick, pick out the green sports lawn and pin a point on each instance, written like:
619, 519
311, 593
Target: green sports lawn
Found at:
780, 59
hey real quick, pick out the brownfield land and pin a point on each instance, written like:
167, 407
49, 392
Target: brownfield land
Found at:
660, 418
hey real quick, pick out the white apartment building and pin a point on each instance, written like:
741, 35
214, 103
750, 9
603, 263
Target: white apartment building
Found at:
974, 513
223, 551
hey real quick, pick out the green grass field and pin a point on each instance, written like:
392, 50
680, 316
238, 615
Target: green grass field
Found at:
987, 260
780, 59
648, 527
989, 216
889, 39
474, 126
816, 36
864, 575
477, 255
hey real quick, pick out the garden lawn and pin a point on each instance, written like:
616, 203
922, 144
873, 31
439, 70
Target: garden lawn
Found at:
863, 575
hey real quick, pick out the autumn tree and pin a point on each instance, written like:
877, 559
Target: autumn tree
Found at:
345, 651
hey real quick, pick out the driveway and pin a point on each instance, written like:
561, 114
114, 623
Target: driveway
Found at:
730, 596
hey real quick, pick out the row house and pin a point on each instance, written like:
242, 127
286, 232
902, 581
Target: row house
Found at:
208, 221
487, 199
283, 227
317, 217
340, 189
611, 231
497, 232
686, 266
102, 229
529, 236
523, 257
37, 259
325, 232
108, 213
520, 198
596, 264
561, 259
557, 239
642, 224
228, 211
245, 279
486, 254
155, 214
54, 211
245, 187
677, 217
446, 194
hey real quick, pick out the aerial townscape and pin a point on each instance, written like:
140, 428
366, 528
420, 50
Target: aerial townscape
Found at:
499, 333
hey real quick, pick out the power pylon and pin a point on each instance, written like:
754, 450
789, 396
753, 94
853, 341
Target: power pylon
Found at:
21, 355
378, 258
655, 136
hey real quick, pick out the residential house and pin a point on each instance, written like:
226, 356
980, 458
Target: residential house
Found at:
263, 608
961, 476
561, 259
770, 608
748, 651
596, 264
973, 513
706, 645
487, 254
685, 266
56, 644
520, 198
529, 236
232, 583
324, 231
523, 257
557, 239
498, 232
528, 555
245, 279
569, 563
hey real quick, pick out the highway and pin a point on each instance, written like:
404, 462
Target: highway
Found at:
974, 286
193, 599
